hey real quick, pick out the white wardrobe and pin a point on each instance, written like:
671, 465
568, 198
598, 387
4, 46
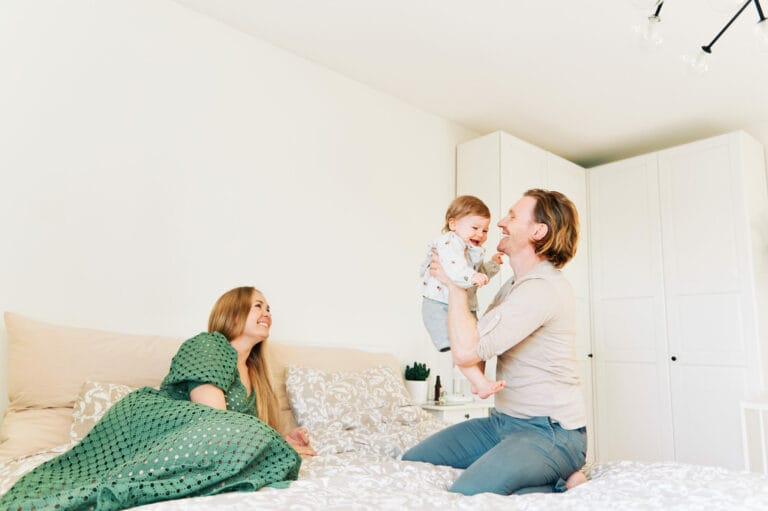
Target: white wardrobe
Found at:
498, 168
671, 278
679, 260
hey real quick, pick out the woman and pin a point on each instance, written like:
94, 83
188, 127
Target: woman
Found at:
211, 428
536, 436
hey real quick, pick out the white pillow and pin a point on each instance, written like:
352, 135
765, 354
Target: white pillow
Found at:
321, 398
93, 401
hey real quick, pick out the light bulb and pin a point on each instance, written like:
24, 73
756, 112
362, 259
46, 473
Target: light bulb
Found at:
697, 64
652, 32
761, 34
649, 35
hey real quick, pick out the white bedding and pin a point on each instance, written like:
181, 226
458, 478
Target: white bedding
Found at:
370, 482
357, 469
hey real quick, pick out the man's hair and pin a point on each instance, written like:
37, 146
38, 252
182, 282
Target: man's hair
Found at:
559, 214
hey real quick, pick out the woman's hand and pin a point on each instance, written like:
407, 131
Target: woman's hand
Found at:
299, 440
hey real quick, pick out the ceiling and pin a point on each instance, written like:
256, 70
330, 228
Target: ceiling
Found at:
568, 76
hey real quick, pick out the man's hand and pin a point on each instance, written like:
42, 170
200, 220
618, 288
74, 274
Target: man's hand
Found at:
436, 269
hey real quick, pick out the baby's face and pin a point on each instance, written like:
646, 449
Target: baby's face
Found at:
472, 229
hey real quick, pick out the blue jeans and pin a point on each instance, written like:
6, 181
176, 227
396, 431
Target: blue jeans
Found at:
505, 455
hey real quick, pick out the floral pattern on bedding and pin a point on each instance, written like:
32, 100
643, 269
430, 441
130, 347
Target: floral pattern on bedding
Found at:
366, 411
373, 483
388, 435
367, 481
358, 468
12, 470
386, 438
349, 398
92, 403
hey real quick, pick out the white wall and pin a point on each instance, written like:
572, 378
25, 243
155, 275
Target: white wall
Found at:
151, 159
760, 132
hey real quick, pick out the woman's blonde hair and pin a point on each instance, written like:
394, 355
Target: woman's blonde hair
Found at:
559, 214
228, 318
465, 205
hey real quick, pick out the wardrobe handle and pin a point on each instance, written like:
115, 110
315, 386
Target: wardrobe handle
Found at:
589, 355
674, 358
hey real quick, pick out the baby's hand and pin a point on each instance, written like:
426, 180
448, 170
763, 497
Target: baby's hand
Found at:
479, 279
498, 258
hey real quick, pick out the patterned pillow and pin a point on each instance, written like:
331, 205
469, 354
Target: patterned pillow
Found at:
349, 399
94, 400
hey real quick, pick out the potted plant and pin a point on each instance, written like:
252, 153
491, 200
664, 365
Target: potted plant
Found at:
416, 381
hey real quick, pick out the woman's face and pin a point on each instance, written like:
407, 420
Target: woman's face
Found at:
259, 319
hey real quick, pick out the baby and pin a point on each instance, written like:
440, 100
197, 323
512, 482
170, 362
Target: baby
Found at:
461, 252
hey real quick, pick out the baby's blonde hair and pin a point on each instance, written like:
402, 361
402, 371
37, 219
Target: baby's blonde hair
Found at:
465, 205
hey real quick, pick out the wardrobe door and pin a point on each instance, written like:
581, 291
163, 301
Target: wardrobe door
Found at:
631, 374
708, 298
523, 166
570, 179
499, 168
477, 173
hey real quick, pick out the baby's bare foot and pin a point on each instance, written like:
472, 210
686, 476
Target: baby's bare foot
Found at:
492, 388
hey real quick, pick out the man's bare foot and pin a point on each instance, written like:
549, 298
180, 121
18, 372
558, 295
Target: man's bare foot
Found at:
575, 479
487, 390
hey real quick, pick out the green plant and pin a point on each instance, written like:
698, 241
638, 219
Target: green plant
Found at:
419, 372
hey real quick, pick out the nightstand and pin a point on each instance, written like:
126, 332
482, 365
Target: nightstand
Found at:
458, 413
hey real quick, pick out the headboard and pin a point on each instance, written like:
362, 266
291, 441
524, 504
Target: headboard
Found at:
48, 364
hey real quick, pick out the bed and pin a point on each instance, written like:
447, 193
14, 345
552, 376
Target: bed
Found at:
62, 379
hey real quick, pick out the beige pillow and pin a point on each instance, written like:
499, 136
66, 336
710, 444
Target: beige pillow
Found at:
347, 399
92, 403
62, 358
30, 431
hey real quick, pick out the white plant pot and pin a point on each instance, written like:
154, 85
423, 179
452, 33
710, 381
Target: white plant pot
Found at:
417, 390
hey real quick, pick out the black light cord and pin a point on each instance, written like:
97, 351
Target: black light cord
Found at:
708, 47
759, 11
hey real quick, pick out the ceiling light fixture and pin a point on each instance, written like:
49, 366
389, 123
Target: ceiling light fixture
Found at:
699, 63
649, 34
708, 48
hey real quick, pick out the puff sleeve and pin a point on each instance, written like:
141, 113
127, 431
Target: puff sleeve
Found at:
205, 358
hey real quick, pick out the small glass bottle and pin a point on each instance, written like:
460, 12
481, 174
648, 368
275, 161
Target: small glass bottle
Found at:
438, 389
457, 381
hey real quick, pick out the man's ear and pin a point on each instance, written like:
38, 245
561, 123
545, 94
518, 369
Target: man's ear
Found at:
540, 232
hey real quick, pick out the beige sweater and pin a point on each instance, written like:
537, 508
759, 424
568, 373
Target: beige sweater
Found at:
531, 328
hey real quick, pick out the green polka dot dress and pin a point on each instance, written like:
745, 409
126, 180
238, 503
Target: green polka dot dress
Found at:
158, 445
